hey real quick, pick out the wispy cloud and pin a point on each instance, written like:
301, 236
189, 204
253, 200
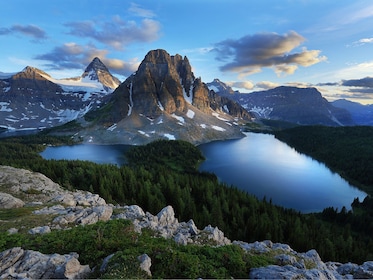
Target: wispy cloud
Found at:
362, 42
116, 33
249, 54
139, 11
75, 56
30, 30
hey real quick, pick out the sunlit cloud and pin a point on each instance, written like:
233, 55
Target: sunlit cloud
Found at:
249, 54
244, 85
29, 30
116, 33
75, 56
266, 85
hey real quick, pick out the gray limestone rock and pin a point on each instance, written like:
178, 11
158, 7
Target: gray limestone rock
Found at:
18, 263
8, 201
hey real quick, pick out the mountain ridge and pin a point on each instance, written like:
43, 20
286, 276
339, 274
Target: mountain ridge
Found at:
302, 106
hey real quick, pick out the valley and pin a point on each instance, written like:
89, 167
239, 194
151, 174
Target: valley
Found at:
163, 112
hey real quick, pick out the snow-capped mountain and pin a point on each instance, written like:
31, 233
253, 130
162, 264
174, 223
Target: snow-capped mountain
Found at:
163, 99
32, 99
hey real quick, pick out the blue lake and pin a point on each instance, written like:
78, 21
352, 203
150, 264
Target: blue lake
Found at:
266, 167
259, 164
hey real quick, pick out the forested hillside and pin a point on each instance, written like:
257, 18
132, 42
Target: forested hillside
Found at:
164, 173
346, 150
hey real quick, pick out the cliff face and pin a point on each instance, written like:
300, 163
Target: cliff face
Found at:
164, 99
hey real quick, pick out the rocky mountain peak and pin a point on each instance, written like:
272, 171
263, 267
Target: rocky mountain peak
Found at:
31, 73
97, 71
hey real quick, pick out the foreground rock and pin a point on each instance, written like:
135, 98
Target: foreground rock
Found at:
70, 209
17, 263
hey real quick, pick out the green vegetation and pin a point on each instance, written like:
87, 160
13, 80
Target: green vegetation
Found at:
164, 173
345, 150
95, 242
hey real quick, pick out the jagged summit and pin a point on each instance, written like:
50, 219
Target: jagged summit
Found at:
32, 73
164, 99
97, 71
220, 87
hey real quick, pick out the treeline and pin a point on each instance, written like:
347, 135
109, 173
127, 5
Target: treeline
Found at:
345, 150
165, 173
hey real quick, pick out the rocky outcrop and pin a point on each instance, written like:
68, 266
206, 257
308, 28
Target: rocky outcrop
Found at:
17, 263
82, 208
8, 201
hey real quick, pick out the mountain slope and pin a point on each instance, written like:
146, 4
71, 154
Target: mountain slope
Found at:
303, 106
163, 99
361, 114
32, 99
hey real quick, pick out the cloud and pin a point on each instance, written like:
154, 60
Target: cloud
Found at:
266, 85
249, 54
137, 10
245, 85
328, 84
30, 30
75, 56
116, 33
366, 82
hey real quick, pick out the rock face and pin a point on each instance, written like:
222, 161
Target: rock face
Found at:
8, 201
17, 263
163, 99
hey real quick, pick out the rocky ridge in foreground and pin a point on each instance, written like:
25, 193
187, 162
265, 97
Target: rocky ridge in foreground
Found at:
69, 209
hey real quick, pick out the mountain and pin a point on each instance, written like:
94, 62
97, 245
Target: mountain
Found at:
163, 99
97, 71
304, 106
361, 114
220, 87
32, 99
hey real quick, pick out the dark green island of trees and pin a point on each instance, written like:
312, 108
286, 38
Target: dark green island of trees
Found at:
166, 173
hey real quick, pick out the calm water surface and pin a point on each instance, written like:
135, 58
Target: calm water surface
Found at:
112, 154
264, 166
259, 164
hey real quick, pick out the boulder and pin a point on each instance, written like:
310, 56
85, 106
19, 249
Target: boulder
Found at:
145, 263
166, 216
18, 263
8, 201
40, 230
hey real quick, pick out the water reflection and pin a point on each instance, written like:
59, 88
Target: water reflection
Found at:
264, 166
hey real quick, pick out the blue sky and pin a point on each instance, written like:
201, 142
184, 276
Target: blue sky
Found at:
251, 45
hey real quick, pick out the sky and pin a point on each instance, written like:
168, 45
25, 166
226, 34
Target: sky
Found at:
251, 45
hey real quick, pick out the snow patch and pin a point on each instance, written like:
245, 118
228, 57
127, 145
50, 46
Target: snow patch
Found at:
190, 114
130, 106
214, 88
218, 128
180, 119
160, 105
111, 128
203, 125
4, 107
143, 133
263, 112
218, 117
169, 136
187, 98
